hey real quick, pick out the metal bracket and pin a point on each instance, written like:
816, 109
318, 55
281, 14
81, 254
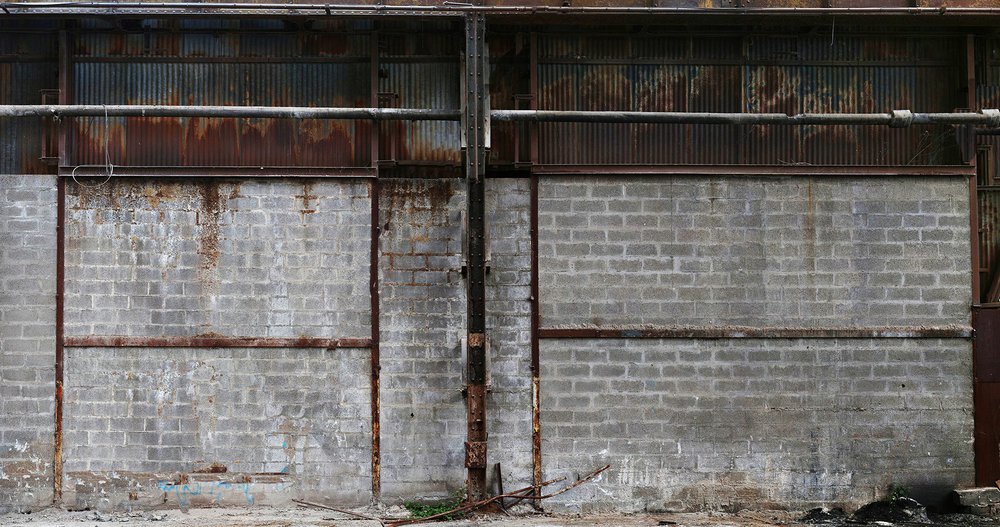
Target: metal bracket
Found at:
475, 454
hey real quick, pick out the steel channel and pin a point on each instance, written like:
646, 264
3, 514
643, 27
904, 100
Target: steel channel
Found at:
736, 332
116, 341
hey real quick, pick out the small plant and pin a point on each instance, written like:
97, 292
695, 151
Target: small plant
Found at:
423, 510
897, 492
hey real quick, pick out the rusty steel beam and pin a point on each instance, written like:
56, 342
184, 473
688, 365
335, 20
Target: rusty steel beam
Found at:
211, 341
374, 192
894, 119
753, 170
224, 172
65, 79
748, 332
536, 384
475, 122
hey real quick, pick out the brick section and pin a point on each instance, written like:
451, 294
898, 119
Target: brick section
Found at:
423, 313
134, 419
27, 340
728, 424
259, 258
796, 251
508, 308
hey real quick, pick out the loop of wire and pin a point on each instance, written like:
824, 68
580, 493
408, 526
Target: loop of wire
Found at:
108, 166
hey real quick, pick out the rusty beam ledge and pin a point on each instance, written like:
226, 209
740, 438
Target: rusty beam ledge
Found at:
212, 341
196, 171
736, 332
752, 170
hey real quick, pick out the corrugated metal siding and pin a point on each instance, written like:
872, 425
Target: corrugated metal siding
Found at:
192, 79
422, 70
752, 74
22, 83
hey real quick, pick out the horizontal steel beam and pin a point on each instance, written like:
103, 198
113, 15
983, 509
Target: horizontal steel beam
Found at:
211, 341
894, 119
753, 170
218, 172
733, 332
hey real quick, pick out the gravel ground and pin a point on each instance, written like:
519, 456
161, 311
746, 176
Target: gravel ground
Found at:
308, 517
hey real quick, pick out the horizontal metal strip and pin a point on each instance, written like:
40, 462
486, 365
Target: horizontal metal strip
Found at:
211, 341
100, 171
749, 332
753, 170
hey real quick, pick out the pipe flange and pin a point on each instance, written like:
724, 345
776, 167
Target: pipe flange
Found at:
994, 116
901, 119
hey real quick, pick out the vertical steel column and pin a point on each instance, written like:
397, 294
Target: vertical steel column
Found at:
474, 117
374, 192
970, 102
536, 398
65, 97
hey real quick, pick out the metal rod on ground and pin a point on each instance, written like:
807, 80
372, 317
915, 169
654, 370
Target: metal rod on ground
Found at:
475, 505
515, 494
334, 509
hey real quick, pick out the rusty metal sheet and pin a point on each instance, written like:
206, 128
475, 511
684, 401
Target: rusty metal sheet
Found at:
29, 70
748, 73
220, 142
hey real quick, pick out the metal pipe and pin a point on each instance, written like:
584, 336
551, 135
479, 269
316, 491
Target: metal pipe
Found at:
752, 332
895, 119
274, 112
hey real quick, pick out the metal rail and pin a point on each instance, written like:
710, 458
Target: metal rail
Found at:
893, 119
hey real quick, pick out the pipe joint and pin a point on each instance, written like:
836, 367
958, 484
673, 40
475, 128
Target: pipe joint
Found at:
901, 119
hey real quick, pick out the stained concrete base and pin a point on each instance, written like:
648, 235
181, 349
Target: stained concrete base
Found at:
982, 501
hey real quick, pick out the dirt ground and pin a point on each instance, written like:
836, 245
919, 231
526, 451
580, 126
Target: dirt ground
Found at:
306, 517
303, 517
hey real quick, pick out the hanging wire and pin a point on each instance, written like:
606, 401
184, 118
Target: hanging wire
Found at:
108, 166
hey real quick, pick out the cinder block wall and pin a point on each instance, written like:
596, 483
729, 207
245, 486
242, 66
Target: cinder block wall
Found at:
717, 424
689, 424
253, 258
27, 340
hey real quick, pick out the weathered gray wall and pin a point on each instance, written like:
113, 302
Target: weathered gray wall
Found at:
685, 423
508, 325
773, 251
27, 339
751, 423
423, 327
256, 258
